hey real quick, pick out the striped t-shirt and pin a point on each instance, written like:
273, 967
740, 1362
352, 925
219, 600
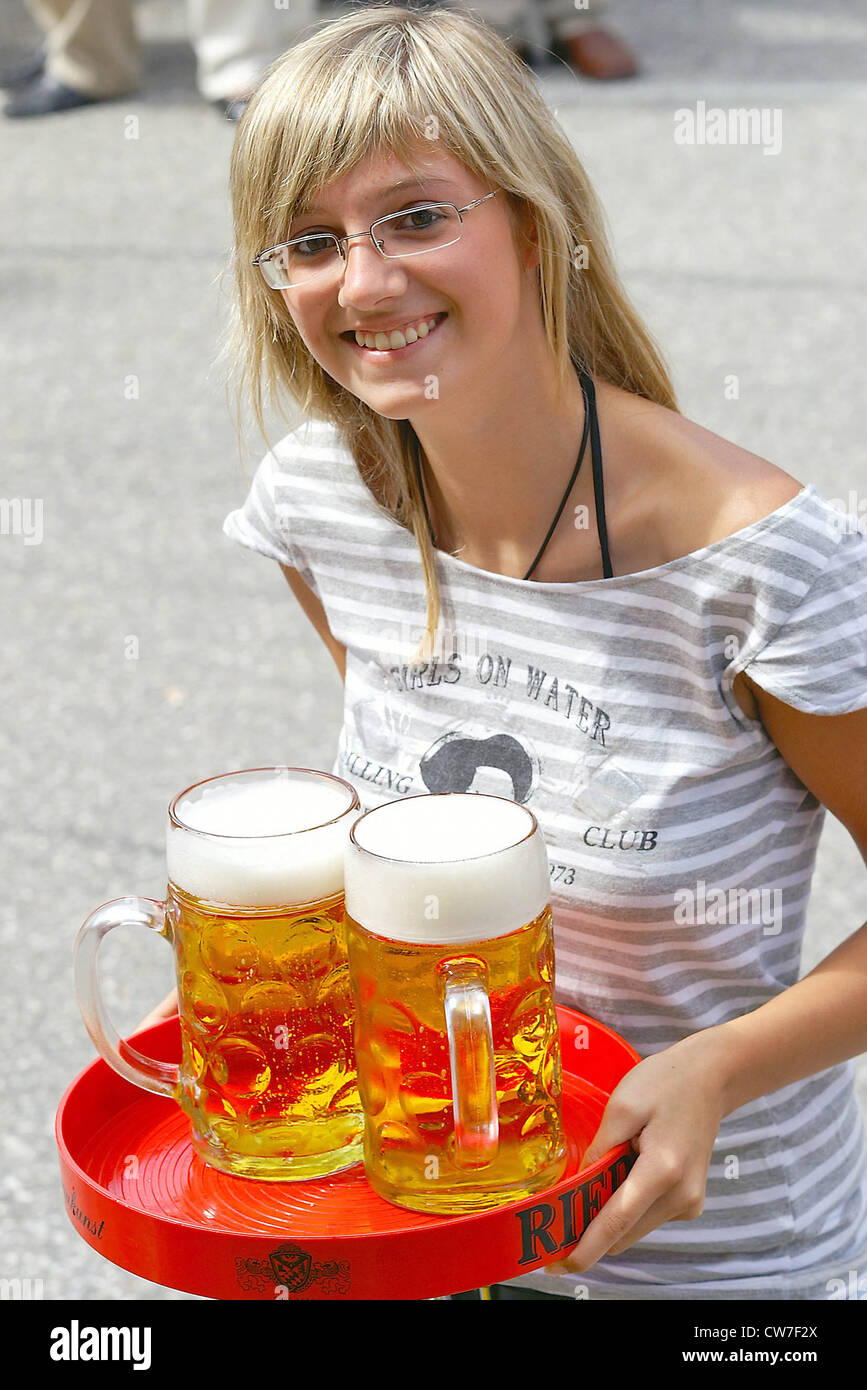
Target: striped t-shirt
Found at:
681, 845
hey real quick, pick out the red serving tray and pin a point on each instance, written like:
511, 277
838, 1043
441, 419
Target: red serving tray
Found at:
136, 1192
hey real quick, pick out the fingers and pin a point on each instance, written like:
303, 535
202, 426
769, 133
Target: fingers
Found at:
167, 1008
656, 1191
620, 1124
669, 1108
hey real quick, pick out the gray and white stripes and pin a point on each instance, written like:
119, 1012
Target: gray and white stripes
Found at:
681, 846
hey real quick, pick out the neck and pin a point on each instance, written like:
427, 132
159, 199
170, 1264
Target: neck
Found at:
494, 473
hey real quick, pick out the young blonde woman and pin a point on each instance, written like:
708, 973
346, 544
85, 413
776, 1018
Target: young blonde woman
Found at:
538, 579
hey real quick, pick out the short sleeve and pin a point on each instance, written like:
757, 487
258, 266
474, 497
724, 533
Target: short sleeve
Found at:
263, 523
816, 660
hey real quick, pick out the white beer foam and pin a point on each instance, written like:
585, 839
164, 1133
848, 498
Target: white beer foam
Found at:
260, 839
444, 868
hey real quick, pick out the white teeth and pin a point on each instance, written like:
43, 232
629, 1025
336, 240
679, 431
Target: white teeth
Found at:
396, 339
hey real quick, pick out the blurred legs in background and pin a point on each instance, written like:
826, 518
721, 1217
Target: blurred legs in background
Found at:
236, 40
90, 54
579, 34
92, 51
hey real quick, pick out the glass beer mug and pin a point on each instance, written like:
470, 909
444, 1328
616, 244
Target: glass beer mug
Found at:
451, 958
255, 914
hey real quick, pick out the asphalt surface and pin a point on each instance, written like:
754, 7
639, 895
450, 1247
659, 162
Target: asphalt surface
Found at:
143, 651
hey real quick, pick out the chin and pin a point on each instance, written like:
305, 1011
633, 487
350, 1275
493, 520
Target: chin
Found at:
402, 403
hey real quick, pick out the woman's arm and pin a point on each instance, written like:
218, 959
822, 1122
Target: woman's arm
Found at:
316, 613
822, 1019
670, 1105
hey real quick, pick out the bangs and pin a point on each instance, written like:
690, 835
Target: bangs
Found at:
396, 87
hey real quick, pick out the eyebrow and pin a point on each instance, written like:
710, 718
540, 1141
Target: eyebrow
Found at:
392, 188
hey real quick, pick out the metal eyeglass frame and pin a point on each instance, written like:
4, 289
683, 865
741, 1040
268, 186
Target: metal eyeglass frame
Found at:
341, 241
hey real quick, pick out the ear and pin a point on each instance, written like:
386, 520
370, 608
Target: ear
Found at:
528, 237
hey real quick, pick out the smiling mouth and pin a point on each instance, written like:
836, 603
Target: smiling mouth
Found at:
397, 340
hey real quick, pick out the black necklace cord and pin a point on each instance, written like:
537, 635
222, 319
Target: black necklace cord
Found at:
591, 427
598, 489
575, 472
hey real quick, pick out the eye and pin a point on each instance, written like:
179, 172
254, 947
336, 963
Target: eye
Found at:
420, 219
306, 248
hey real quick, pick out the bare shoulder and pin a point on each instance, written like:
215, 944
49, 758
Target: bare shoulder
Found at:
695, 486
682, 487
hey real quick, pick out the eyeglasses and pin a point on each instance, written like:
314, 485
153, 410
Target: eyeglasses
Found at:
413, 232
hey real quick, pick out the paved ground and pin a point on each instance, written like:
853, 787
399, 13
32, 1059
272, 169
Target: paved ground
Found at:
143, 651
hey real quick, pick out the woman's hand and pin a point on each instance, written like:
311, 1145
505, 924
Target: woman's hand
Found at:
167, 1009
670, 1106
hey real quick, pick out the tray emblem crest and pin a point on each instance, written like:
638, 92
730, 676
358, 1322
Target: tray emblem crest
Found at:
293, 1268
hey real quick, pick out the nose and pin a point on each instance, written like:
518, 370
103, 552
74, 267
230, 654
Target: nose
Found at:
366, 277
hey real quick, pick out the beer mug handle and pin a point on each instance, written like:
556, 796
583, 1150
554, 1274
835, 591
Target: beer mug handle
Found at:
147, 1072
471, 1054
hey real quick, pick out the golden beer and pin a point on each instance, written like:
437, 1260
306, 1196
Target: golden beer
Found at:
255, 914
456, 1036
402, 1054
266, 1012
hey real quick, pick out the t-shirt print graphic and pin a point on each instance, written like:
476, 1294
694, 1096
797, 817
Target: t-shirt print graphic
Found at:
573, 773
452, 763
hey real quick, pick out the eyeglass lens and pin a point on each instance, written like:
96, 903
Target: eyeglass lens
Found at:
402, 234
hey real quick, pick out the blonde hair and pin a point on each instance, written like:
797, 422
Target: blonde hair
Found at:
381, 80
